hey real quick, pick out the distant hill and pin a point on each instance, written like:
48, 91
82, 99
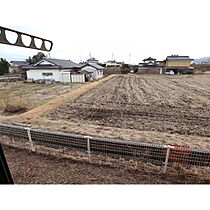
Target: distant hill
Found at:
201, 60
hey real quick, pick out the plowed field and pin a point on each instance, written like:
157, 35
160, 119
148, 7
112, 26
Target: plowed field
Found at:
172, 104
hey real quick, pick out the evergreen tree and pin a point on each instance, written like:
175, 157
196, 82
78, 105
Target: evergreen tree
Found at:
4, 66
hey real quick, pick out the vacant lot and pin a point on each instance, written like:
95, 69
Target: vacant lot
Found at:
33, 95
155, 103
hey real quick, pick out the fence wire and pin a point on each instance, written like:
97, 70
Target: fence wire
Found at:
162, 155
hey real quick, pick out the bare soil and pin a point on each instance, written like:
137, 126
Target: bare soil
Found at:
174, 105
151, 108
38, 168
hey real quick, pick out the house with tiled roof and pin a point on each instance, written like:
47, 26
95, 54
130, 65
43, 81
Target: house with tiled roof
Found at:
178, 63
93, 71
113, 63
16, 66
52, 69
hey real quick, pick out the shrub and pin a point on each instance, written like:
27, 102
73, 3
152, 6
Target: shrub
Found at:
19, 108
13, 105
190, 72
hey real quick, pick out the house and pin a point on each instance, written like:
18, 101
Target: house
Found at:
161, 63
149, 66
173, 64
113, 63
178, 64
149, 62
52, 69
16, 66
92, 71
92, 60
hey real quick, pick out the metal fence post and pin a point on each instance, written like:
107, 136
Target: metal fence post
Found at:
30, 139
13, 141
167, 156
88, 147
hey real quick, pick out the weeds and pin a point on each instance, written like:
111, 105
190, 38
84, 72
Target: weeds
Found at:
13, 104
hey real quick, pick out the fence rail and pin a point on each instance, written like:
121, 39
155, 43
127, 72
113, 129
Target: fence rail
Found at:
157, 154
10, 78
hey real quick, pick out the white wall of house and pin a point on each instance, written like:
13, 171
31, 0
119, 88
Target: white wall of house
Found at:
38, 74
112, 64
57, 75
95, 74
65, 77
99, 74
78, 78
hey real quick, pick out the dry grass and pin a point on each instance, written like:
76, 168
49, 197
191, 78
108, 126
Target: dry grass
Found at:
58, 100
12, 104
34, 95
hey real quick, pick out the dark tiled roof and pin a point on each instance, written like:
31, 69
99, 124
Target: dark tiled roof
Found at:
63, 63
94, 65
19, 63
178, 58
150, 59
92, 59
58, 64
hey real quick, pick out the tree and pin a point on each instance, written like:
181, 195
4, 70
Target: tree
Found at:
125, 69
35, 58
4, 66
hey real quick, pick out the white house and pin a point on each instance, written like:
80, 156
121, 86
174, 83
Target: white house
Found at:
92, 60
113, 63
49, 68
92, 71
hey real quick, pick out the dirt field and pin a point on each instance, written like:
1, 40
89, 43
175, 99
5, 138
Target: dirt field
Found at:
33, 95
151, 108
37, 168
175, 105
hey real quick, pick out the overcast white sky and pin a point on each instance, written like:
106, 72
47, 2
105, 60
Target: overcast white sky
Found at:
140, 28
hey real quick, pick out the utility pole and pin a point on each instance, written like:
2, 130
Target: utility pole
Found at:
112, 56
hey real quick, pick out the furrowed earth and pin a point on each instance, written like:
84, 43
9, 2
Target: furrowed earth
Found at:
176, 105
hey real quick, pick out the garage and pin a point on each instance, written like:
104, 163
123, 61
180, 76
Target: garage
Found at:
65, 77
77, 77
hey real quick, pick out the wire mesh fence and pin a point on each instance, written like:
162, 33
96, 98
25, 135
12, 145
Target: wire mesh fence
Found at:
161, 155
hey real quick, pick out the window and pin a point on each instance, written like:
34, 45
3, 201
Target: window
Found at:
47, 74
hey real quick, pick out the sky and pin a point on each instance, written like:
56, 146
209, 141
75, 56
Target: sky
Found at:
128, 30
